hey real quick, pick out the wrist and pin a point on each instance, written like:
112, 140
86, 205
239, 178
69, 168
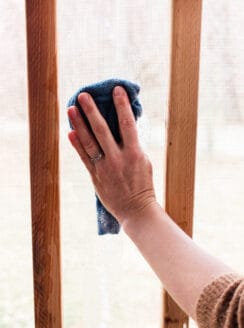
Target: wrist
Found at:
142, 220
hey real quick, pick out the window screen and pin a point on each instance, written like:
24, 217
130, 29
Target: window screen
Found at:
105, 281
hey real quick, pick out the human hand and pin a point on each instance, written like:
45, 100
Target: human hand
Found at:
122, 177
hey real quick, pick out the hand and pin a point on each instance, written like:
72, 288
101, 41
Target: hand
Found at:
123, 175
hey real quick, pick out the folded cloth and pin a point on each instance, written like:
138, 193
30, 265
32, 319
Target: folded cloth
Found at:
101, 92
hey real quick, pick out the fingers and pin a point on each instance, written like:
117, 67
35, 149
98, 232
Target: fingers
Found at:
98, 124
85, 138
127, 124
85, 143
74, 139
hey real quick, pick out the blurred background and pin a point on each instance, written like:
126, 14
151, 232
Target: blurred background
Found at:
106, 282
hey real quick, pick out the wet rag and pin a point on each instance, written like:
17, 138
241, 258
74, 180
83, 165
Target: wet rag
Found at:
101, 92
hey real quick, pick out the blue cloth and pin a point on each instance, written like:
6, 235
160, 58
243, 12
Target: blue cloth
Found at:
102, 95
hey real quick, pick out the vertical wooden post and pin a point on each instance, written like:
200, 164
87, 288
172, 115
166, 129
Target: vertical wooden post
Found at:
44, 160
181, 129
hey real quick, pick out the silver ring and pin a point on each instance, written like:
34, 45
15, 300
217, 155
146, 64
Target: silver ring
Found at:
97, 157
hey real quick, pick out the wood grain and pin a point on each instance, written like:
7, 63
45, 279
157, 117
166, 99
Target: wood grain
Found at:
44, 160
181, 130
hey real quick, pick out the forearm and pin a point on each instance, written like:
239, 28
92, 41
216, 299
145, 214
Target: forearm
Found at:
181, 265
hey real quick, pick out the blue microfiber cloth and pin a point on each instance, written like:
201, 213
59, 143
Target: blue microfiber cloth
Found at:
102, 95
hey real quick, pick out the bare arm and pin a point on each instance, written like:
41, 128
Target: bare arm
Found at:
183, 267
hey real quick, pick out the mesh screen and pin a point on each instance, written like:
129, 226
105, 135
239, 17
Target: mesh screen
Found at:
106, 282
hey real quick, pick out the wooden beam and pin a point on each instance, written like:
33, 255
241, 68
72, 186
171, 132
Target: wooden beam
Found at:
181, 130
44, 160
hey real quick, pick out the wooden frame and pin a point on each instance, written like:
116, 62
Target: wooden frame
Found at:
181, 130
44, 147
44, 160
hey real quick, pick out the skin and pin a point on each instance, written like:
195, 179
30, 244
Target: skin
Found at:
181, 265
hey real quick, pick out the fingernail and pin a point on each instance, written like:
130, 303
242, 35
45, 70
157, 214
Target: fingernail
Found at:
118, 91
72, 113
85, 98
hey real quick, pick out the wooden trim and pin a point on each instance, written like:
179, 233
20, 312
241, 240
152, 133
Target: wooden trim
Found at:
44, 160
181, 129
